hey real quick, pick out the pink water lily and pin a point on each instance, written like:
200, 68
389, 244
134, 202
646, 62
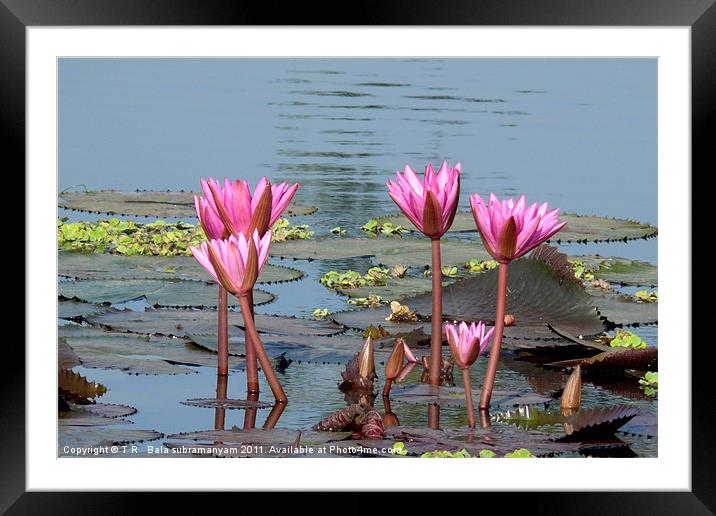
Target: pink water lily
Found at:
430, 203
235, 262
206, 212
240, 211
467, 342
511, 229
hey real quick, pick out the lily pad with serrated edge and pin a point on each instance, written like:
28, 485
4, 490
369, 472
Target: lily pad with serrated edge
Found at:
411, 252
69, 437
455, 396
146, 204
616, 360
622, 271
180, 323
111, 410
579, 229
163, 293
66, 357
116, 266
361, 319
645, 424
257, 436
597, 422
228, 404
80, 416
623, 310
74, 308
395, 288
75, 387
138, 354
300, 348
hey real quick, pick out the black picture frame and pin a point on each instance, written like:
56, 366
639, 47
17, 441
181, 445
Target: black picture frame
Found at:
700, 15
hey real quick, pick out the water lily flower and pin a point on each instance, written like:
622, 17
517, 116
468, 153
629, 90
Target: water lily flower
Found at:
467, 342
242, 212
511, 229
208, 216
430, 203
394, 364
235, 263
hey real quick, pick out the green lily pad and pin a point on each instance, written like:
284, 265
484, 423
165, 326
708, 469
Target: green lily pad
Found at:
180, 323
116, 266
622, 271
411, 252
422, 393
79, 416
623, 310
110, 410
145, 204
79, 437
394, 288
138, 354
72, 308
228, 404
361, 319
165, 293
579, 229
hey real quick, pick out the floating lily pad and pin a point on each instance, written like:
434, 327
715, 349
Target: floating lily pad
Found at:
145, 204
111, 410
80, 416
411, 252
165, 293
536, 298
361, 319
78, 437
622, 271
66, 357
623, 310
394, 289
76, 388
579, 229
616, 360
646, 424
226, 403
138, 354
180, 323
300, 348
73, 308
116, 266
277, 436
455, 396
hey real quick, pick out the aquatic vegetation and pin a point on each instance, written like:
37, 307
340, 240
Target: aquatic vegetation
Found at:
398, 271
508, 230
398, 448
650, 383
475, 265
376, 333
158, 238
394, 364
400, 312
376, 276
487, 454
520, 453
624, 339
347, 279
572, 393
371, 301
643, 296
580, 272
282, 231
444, 454
466, 344
430, 204
321, 313
338, 231
374, 228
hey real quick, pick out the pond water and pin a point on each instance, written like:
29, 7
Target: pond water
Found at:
581, 134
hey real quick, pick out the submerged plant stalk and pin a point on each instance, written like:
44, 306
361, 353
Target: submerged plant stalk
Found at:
263, 358
252, 368
436, 339
491, 371
223, 333
468, 397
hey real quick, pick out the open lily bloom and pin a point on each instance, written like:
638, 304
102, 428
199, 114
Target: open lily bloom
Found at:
236, 262
511, 229
430, 203
242, 212
467, 342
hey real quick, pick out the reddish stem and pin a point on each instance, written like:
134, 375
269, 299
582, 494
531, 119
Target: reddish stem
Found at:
263, 358
436, 339
433, 416
252, 368
274, 415
250, 412
386, 389
220, 414
223, 338
468, 397
491, 371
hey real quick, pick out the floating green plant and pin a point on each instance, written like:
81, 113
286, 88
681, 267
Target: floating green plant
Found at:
398, 449
347, 279
338, 231
580, 270
487, 454
158, 238
371, 301
650, 383
374, 228
520, 453
475, 265
642, 296
626, 339
444, 454
321, 313
446, 271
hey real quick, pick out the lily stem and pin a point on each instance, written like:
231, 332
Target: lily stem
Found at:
491, 371
263, 358
223, 330
252, 368
436, 339
386, 388
468, 397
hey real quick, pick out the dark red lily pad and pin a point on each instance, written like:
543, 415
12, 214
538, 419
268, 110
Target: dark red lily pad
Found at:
594, 423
